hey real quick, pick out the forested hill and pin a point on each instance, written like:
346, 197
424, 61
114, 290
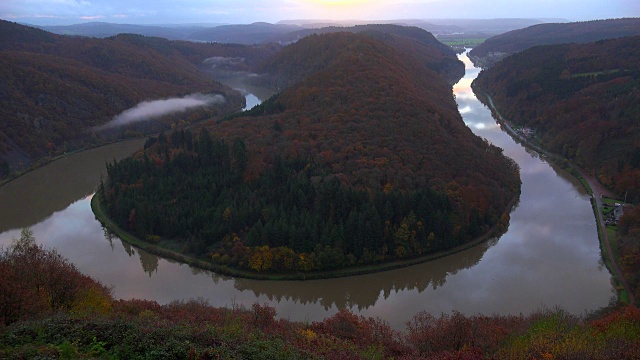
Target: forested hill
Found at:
288, 68
54, 88
583, 100
365, 160
498, 47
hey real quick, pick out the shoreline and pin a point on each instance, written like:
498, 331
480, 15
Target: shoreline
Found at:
97, 206
593, 188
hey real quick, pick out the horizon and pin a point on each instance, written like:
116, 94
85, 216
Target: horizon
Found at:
221, 12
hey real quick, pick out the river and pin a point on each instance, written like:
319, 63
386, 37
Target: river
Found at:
549, 256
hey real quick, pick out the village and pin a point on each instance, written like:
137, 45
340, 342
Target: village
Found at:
613, 212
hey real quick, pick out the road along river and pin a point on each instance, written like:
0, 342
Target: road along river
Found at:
549, 256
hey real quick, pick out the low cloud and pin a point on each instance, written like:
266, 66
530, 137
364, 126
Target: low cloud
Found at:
148, 110
92, 17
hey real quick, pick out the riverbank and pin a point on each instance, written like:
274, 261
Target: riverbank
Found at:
100, 212
592, 186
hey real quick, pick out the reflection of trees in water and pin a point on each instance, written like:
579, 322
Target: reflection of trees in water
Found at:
364, 291
128, 248
35, 196
109, 236
359, 292
149, 262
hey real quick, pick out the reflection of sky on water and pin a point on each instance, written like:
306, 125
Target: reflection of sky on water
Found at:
549, 256
251, 101
462, 90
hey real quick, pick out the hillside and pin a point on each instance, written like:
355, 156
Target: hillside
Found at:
501, 46
583, 102
365, 160
55, 89
412, 41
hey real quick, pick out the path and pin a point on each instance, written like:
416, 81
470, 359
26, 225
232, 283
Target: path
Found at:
596, 189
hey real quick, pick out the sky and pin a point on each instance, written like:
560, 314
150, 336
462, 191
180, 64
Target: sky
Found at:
65, 12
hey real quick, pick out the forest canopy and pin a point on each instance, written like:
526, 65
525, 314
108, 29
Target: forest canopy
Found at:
365, 160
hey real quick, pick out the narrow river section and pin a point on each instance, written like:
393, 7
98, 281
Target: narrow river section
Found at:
548, 257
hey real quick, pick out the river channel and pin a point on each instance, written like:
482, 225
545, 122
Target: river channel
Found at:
549, 256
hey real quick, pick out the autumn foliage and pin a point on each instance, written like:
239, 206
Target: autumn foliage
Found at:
57, 89
38, 281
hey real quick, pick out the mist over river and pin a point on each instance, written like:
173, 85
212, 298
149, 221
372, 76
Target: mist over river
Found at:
549, 256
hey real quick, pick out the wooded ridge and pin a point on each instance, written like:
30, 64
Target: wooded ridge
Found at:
582, 101
54, 90
498, 47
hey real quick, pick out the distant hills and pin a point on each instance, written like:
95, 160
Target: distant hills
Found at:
501, 46
261, 32
256, 33
54, 88
287, 68
104, 29
583, 100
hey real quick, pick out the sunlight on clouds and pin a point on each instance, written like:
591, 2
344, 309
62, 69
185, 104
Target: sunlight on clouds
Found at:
93, 17
341, 9
463, 90
478, 125
340, 2
66, 2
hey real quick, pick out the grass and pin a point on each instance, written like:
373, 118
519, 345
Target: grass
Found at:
610, 201
596, 73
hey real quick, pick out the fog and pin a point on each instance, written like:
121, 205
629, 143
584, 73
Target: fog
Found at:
147, 110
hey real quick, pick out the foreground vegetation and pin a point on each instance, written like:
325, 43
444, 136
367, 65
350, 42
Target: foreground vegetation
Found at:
38, 320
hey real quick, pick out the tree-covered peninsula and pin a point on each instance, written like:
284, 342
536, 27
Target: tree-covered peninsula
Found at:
364, 161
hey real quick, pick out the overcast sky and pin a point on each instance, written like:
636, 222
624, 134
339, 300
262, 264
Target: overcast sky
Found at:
54, 12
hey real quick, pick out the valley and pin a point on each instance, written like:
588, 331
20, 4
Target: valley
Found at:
321, 188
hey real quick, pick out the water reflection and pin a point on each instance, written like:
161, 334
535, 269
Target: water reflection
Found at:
364, 291
358, 292
39, 193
